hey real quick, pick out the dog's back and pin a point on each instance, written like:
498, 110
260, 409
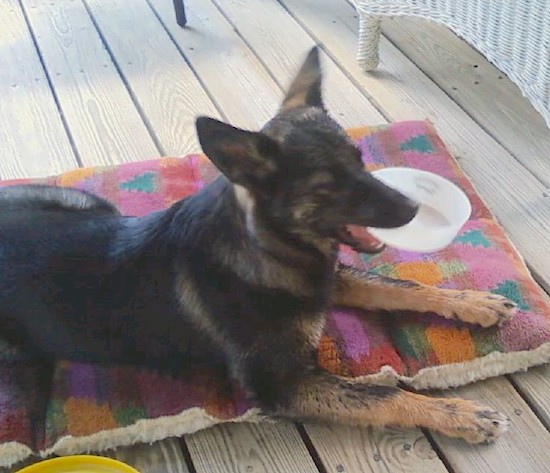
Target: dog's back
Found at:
43, 197
37, 223
80, 281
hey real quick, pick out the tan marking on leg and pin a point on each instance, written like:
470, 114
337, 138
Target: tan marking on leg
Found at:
330, 398
311, 328
358, 289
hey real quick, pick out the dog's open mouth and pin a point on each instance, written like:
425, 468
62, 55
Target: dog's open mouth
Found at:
359, 239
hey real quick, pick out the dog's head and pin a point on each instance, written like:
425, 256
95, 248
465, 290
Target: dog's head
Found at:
301, 173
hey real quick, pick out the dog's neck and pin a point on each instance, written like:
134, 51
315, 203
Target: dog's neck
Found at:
222, 220
296, 250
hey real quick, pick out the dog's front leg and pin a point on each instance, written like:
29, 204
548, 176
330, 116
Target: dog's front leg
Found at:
325, 397
359, 289
280, 370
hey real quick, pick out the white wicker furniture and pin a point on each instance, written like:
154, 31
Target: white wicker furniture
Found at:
512, 34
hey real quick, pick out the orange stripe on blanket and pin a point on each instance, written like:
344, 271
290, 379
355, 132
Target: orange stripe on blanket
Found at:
424, 272
169, 161
71, 178
451, 344
358, 133
328, 357
85, 417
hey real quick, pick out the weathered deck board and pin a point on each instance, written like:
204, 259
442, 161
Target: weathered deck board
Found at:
350, 449
103, 120
33, 139
242, 88
162, 83
281, 45
523, 449
478, 87
535, 387
160, 457
250, 447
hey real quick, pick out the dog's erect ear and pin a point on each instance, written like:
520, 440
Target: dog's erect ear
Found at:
306, 86
246, 158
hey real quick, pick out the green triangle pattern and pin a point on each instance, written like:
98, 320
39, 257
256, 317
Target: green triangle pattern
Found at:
419, 143
474, 238
142, 183
387, 270
510, 289
448, 269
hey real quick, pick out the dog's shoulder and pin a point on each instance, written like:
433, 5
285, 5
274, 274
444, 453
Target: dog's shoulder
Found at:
44, 197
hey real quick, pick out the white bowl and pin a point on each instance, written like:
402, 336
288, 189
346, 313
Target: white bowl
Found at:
444, 209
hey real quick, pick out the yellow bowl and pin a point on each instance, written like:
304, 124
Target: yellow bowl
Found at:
79, 464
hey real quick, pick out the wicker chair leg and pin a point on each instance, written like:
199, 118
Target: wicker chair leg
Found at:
369, 37
180, 12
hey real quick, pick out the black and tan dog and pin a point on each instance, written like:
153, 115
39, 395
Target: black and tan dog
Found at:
243, 273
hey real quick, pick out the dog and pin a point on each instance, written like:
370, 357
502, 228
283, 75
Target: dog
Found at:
241, 274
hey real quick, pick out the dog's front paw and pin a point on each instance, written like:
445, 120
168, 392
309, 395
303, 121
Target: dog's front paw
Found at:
482, 308
483, 425
469, 420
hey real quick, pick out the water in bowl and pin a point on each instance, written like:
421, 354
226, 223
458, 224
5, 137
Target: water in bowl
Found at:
429, 217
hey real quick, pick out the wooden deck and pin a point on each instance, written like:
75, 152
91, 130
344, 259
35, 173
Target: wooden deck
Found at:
86, 82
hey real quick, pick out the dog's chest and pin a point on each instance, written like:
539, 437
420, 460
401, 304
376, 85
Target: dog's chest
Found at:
244, 311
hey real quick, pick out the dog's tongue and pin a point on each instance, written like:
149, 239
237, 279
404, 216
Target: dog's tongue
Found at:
364, 240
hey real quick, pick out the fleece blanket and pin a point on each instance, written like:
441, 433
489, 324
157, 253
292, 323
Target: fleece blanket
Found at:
82, 407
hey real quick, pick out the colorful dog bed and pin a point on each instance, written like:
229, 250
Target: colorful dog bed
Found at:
82, 407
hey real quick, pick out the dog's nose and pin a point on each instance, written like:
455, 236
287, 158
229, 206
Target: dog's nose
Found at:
394, 215
408, 210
